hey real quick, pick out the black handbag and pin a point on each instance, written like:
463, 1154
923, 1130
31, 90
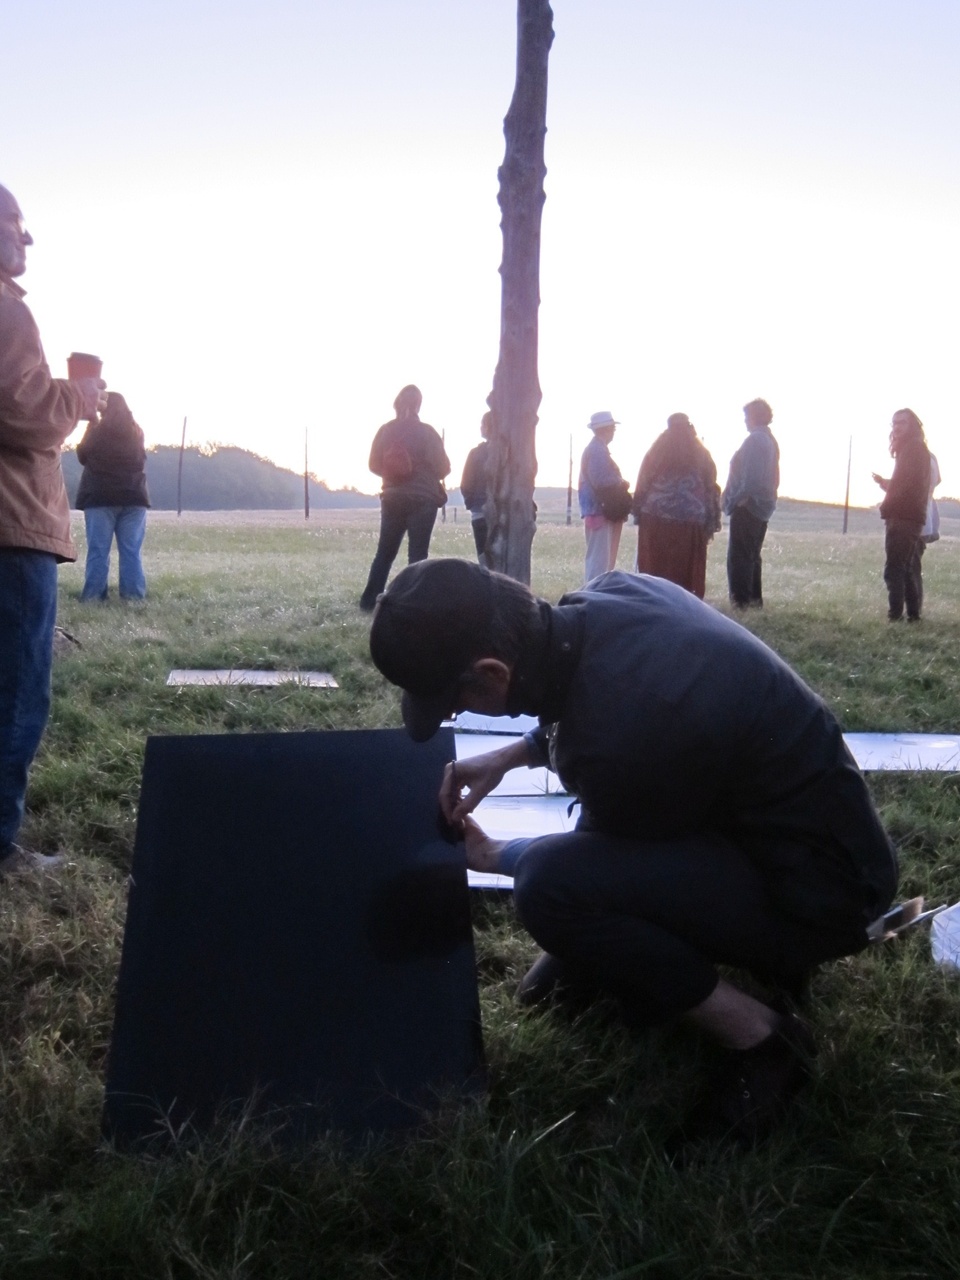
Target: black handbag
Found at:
615, 501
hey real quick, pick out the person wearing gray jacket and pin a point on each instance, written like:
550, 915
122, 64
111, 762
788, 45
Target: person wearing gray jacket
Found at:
749, 500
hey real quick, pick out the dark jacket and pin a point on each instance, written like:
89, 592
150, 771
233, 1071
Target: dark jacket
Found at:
909, 489
475, 482
426, 453
113, 456
669, 718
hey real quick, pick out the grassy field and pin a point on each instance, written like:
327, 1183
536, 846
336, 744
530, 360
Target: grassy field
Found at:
561, 1174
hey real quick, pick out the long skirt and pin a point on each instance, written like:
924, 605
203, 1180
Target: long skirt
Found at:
675, 550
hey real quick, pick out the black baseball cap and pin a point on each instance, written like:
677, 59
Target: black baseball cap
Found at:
429, 625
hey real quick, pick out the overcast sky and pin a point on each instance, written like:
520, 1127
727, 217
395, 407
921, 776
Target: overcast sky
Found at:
269, 217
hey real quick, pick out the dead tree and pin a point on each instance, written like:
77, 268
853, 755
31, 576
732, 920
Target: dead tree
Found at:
515, 398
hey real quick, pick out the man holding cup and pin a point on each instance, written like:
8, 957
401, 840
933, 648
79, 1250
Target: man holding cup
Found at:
37, 413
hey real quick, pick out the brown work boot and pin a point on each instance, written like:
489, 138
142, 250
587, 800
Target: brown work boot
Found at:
753, 1089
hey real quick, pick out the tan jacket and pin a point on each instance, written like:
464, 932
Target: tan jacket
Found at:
37, 413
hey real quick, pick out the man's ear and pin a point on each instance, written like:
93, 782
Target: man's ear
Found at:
492, 674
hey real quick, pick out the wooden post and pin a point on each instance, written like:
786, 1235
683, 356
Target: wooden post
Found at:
570, 484
306, 477
183, 441
515, 398
846, 500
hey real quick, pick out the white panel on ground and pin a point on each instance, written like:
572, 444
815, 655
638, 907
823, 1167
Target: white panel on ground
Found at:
262, 679
518, 782
531, 802
902, 751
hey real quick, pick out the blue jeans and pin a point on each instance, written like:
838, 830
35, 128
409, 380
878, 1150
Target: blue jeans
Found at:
128, 524
28, 612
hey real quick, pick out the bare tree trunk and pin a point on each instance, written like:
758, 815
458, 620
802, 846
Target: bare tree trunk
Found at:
515, 398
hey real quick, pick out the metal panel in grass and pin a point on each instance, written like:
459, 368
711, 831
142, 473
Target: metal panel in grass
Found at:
298, 939
243, 676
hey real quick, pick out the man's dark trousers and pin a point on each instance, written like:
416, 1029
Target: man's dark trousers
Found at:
746, 536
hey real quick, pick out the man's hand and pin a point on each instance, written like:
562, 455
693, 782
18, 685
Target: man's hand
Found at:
477, 776
94, 392
483, 854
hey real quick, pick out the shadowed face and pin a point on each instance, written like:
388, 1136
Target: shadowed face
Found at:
14, 237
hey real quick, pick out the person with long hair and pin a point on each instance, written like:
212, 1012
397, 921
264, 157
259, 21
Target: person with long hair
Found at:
676, 504
409, 457
904, 513
112, 495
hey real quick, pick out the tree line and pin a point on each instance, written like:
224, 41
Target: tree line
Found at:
225, 478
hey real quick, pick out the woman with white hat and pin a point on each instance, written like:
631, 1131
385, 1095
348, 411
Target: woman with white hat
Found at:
604, 497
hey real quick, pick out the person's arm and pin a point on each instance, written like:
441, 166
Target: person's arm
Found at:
36, 410
884, 484
438, 455
479, 775
733, 489
471, 482
376, 454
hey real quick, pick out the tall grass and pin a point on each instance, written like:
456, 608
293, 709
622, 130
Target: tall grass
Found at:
561, 1172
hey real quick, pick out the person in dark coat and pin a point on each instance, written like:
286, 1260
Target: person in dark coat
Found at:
676, 505
112, 495
475, 487
904, 513
409, 457
723, 822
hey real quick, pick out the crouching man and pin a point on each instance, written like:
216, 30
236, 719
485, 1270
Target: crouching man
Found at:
724, 821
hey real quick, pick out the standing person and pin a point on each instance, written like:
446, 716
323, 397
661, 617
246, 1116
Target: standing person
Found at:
904, 513
676, 504
724, 821
750, 499
604, 497
37, 413
475, 486
112, 495
409, 457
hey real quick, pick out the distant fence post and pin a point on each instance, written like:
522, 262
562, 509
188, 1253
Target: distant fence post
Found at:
570, 483
183, 441
846, 499
306, 482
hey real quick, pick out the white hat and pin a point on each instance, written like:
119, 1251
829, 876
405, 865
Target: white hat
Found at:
602, 419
